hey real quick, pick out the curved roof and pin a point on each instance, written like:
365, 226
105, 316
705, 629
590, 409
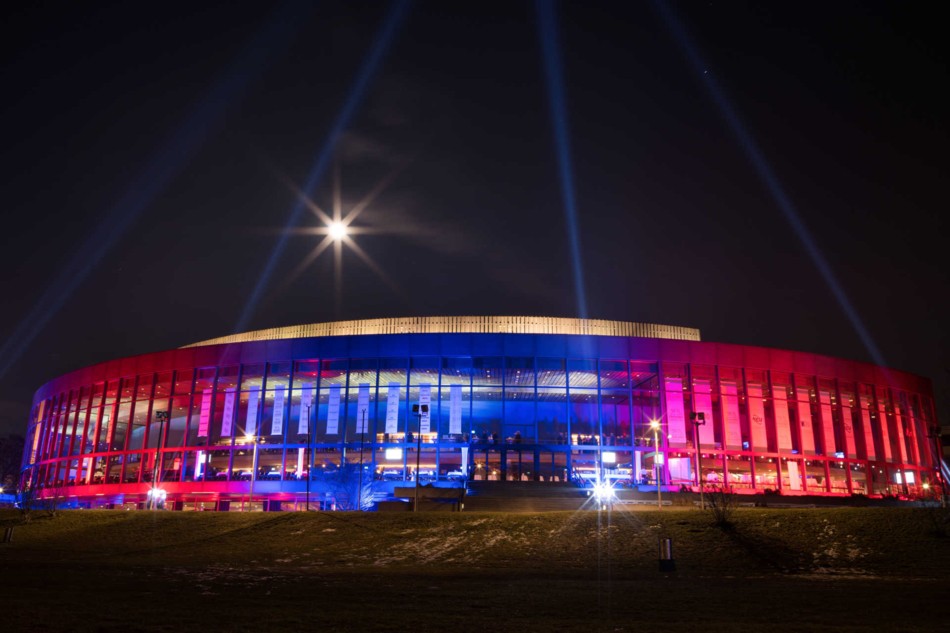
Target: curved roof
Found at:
463, 325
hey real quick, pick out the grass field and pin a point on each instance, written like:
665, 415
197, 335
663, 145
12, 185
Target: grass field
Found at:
781, 570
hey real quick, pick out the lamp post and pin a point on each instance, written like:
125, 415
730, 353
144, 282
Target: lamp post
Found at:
252, 438
162, 417
933, 433
418, 410
309, 455
359, 494
698, 419
655, 426
257, 428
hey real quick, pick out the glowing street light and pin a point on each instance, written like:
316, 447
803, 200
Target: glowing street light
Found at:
698, 419
336, 230
157, 468
655, 426
420, 411
309, 455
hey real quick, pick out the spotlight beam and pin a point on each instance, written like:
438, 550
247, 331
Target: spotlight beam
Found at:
768, 177
162, 167
368, 199
303, 198
302, 266
551, 52
384, 36
372, 265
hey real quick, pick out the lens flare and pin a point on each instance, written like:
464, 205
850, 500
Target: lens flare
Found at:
336, 231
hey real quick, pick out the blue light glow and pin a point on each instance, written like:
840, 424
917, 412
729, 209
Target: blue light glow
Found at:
394, 18
205, 119
767, 176
551, 52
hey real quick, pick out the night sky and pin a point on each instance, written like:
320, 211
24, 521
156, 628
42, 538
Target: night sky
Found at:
150, 151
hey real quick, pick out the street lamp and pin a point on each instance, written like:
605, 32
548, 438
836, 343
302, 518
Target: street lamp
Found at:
309, 455
257, 429
698, 419
655, 425
252, 438
157, 471
359, 493
418, 410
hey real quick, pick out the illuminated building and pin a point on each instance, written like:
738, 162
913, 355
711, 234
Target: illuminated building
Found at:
221, 422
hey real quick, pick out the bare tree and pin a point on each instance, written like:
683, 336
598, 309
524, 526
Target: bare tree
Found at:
11, 452
350, 491
721, 503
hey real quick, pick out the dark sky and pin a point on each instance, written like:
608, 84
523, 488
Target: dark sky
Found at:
146, 149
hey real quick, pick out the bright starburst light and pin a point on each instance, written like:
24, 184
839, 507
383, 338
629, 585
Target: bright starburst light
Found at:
338, 229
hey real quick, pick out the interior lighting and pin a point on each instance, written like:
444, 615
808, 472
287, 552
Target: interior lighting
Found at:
393, 453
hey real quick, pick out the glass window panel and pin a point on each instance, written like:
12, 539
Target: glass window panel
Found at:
351, 414
228, 377
156, 428
143, 389
240, 423
552, 415
363, 371
89, 442
455, 371
434, 413
270, 464
97, 393
163, 384
252, 376
195, 420
445, 411
614, 374
139, 422
217, 413
552, 372
584, 425
487, 370
106, 424
393, 370
487, 413
183, 381
615, 417
332, 372
520, 372
128, 389
121, 426
305, 378
133, 468
175, 433
582, 372
424, 370
520, 414
204, 379
640, 372
278, 375
782, 385
382, 405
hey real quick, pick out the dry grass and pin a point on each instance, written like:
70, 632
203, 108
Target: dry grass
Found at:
794, 570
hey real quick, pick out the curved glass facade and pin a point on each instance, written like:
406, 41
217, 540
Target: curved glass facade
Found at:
264, 422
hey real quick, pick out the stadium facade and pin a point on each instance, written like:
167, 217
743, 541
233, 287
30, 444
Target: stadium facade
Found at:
280, 418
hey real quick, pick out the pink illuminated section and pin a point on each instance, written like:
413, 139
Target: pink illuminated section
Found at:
702, 402
757, 418
805, 422
675, 412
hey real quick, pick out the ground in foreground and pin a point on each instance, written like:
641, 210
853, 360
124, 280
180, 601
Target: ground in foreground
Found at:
789, 570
